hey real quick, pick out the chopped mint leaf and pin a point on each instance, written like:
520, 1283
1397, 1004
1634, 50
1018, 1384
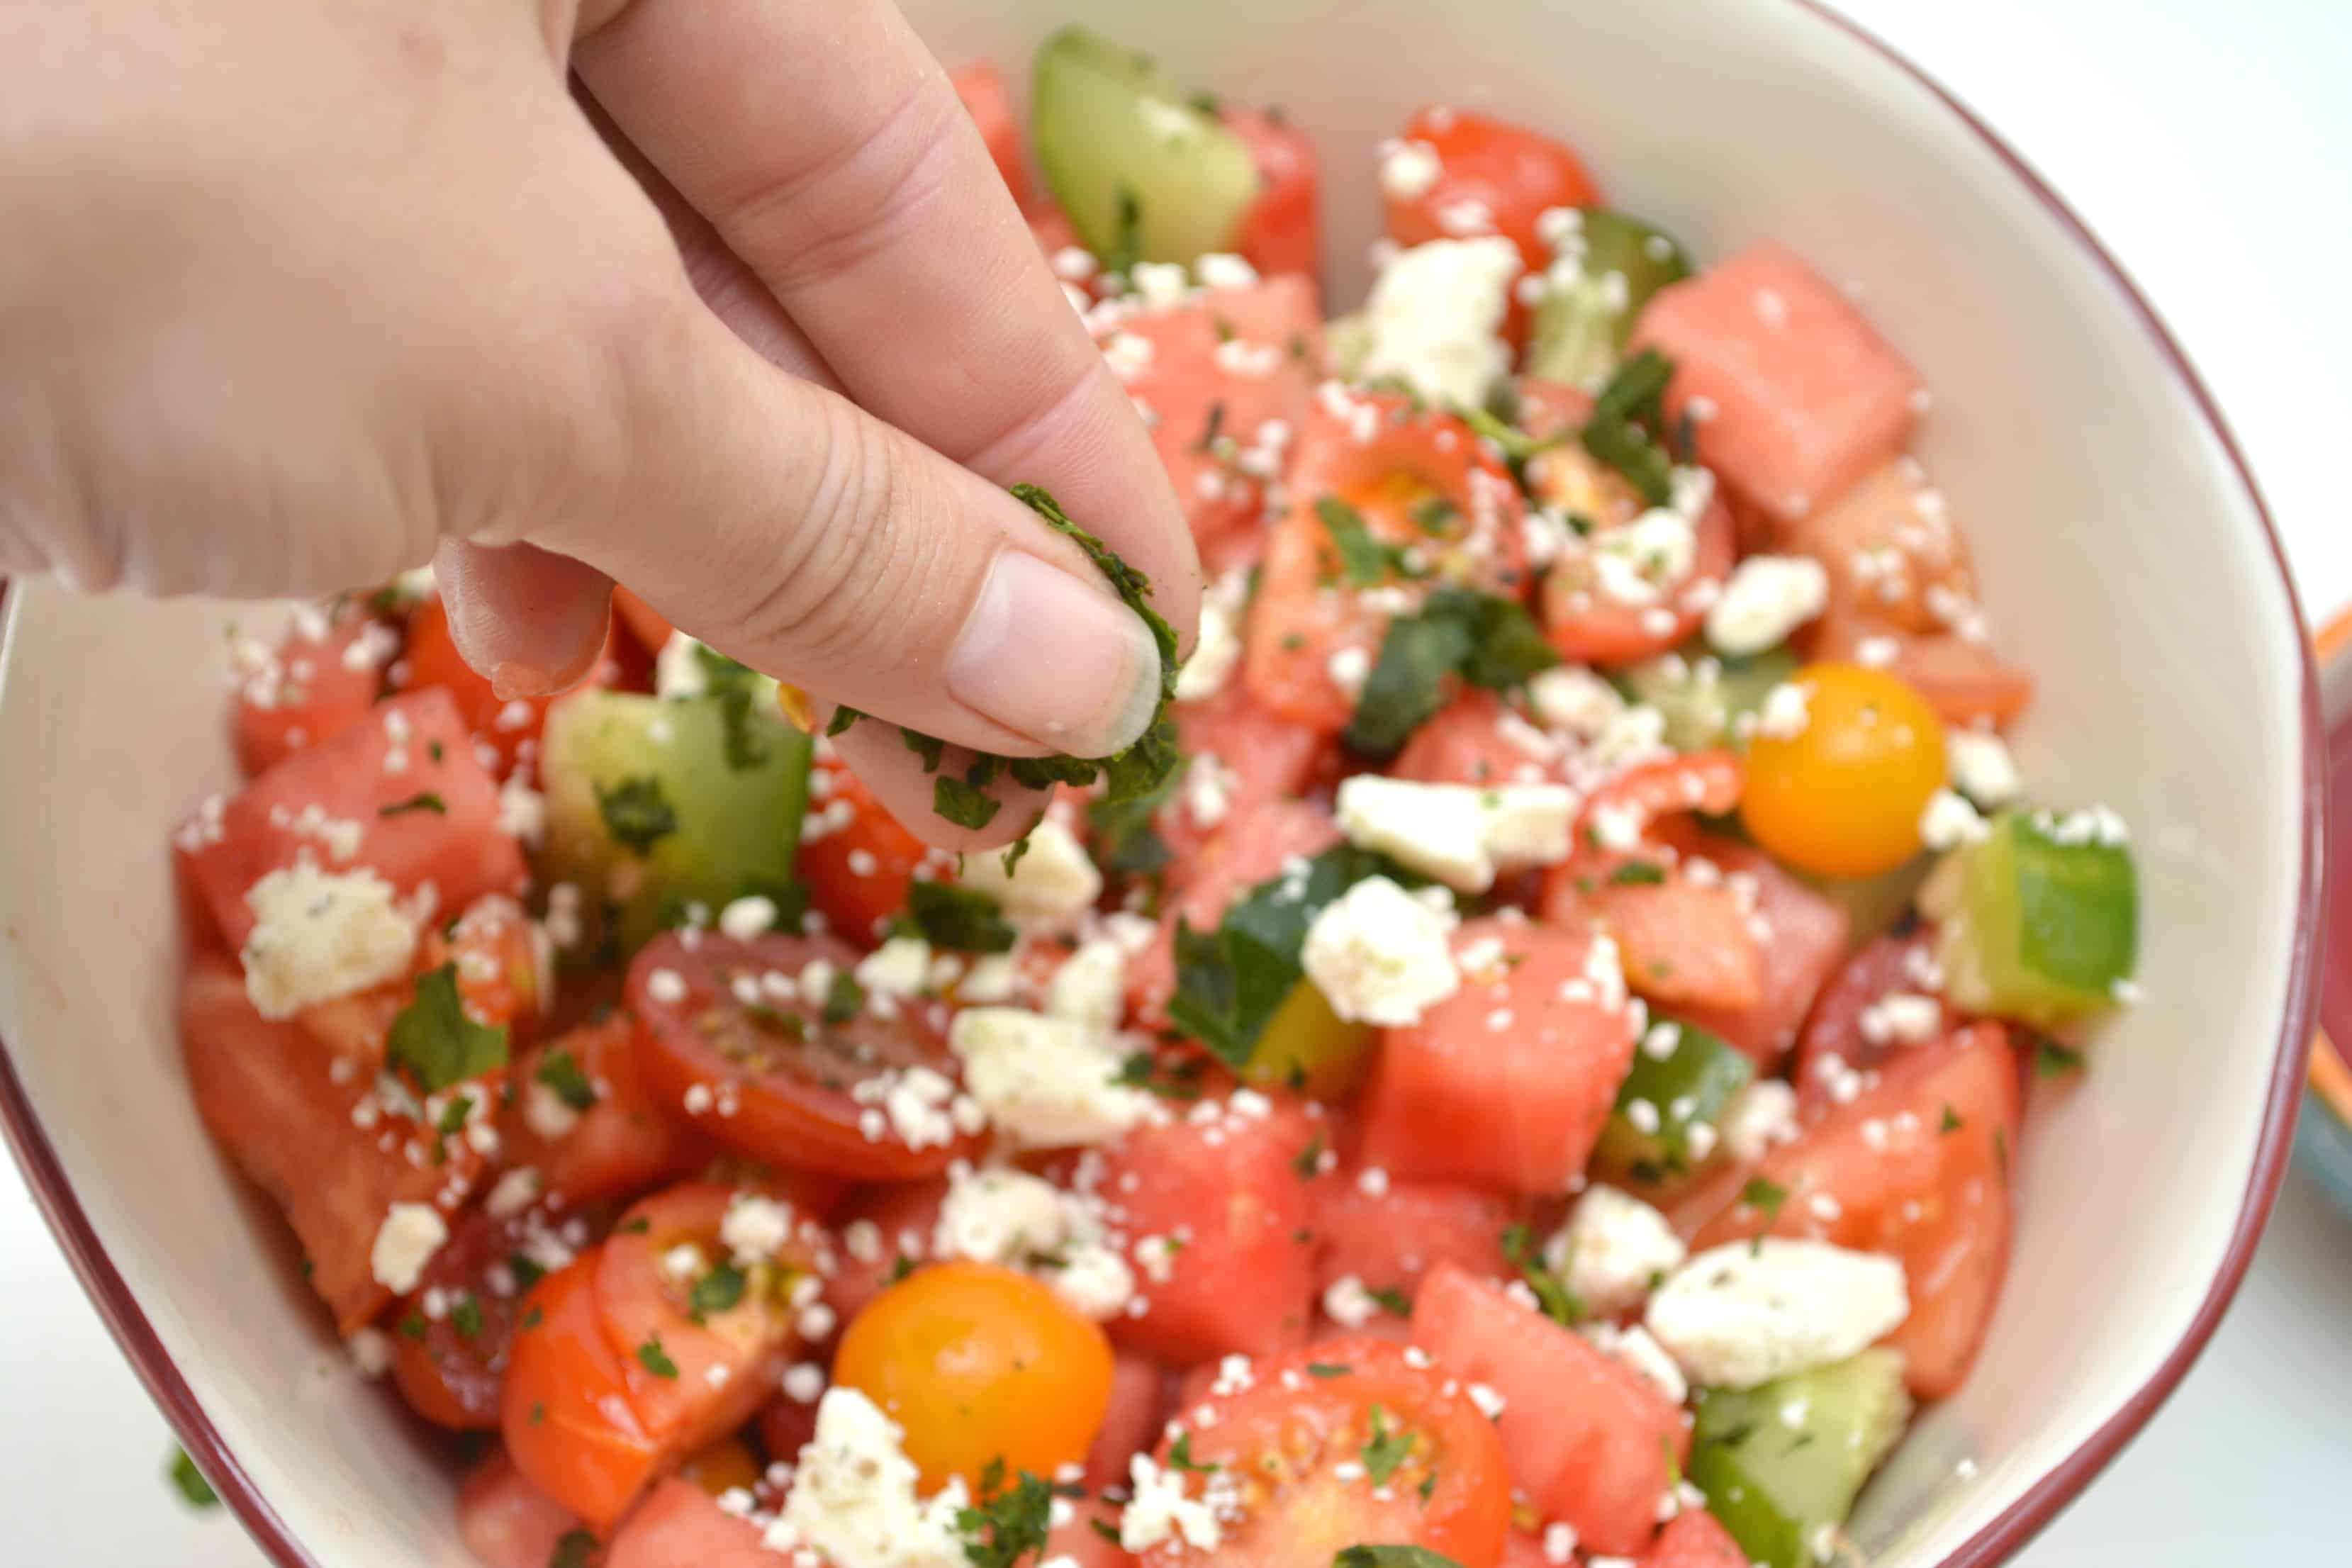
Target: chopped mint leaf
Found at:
560, 1071
718, 1290
425, 800
1384, 1450
638, 815
190, 1480
1180, 1457
1461, 634
1636, 874
656, 1359
946, 914
435, 1040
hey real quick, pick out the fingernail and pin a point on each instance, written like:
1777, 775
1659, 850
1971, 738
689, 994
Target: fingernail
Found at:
513, 679
1059, 661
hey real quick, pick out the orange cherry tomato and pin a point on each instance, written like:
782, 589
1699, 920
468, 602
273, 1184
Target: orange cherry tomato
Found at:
978, 1363
1504, 175
1843, 797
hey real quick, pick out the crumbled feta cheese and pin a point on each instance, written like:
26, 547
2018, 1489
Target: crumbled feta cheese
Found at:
318, 935
1015, 1220
678, 669
1951, 821
853, 1498
666, 986
1434, 315
513, 1193
994, 978
1784, 713
899, 967
1638, 1352
1090, 988
1612, 1249
1378, 955
1054, 880
1461, 835
754, 1227
1348, 1304
1209, 786
1761, 1115
1217, 651
1572, 698
1637, 562
1767, 597
1981, 768
371, 1354
411, 1234
1129, 354
1877, 653
804, 1383
1408, 169
1750, 1311
1349, 668
1560, 1541
920, 1104
1902, 1017
752, 915
546, 1112
1159, 283
1046, 1081
1223, 269
1159, 1509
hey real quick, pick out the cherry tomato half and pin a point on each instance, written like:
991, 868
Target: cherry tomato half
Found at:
728, 1035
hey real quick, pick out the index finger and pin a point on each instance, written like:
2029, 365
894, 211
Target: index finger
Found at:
828, 148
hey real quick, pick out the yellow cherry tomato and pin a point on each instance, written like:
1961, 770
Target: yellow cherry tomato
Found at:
978, 1362
1842, 796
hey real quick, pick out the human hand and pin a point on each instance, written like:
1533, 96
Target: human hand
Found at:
299, 295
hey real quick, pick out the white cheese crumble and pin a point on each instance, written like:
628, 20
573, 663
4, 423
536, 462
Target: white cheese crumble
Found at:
1054, 880
1046, 1081
1348, 1304
1408, 169
1767, 597
1461, 835
678, 669
1223, 269
1015, 1220
1784, 713
1162, 1510
1761, 1115
1951, 821
1902, 1017
853, 1498
751, 915
1748, 1311
1434, 315
899, 967
1612, 1248
318, 935
754, 1227
411, 1234
1380, 956
1638, 1352
1090, 988
1982, 769
1572, 698
1217, 651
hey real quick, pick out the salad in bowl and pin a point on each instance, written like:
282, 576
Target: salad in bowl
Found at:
1530, 1075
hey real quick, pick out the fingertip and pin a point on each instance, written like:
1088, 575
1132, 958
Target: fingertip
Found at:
874, 750
532, 621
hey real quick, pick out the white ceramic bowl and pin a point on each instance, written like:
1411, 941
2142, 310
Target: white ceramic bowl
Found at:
2126, 559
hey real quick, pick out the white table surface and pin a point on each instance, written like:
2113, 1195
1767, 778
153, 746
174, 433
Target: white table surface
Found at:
2209, 146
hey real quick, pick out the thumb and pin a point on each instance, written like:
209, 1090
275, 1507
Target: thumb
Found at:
533, 621
794, 531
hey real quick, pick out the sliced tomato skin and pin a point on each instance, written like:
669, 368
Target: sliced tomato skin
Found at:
1290, 1428
507, 1522
265, 1093
1515, 174
565, 1412
622, 1144
1587, 1439
783, 1109
849, 829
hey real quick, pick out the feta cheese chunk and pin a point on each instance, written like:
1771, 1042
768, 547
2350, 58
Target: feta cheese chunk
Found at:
318, 935
1046, 1081
1613, 1247
1015, 1220
411, 1234
1760, 1116
899, 967
1090, 988
1380, 956
1461, 835
1639, 1353
1162, 1510
1767, 597
1951, 821
1054, 880
1982, 769
1572, 698
754, 1228
853, 1498
1435, 315
1748, 1311
1217, 652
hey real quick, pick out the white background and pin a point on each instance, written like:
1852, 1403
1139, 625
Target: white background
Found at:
2210, 145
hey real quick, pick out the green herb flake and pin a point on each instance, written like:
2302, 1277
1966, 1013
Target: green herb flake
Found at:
1392, 1557
930, 748
1308, 1162
1636, 874
2052, 1059
533, 1318
560, 1071
1459, 634
425, 800
1384, 1450
1624, 417
1363, 560
1765, 1197
1553, 1297
637, 814
717, 1291
1951, 1122
1180, 1457
452, 1119
436, 1041
574, 1551
656, 1359
1327, 1369
526, 1272
843, 716
1392, 1299
964, 802
1140, 1069
947, 914
844, 999
1008, 1523
193, 1487
900, 1267
412, 1327
466, 1316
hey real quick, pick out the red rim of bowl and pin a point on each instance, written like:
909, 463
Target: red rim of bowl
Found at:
2017, 1524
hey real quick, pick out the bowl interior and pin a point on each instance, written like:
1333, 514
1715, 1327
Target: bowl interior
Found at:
2124, 561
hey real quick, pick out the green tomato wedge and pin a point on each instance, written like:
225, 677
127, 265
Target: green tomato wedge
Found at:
1782, 1485
1584, 318
653, 804
1702, 695
1693, 1087
1143, 173
2031, 927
